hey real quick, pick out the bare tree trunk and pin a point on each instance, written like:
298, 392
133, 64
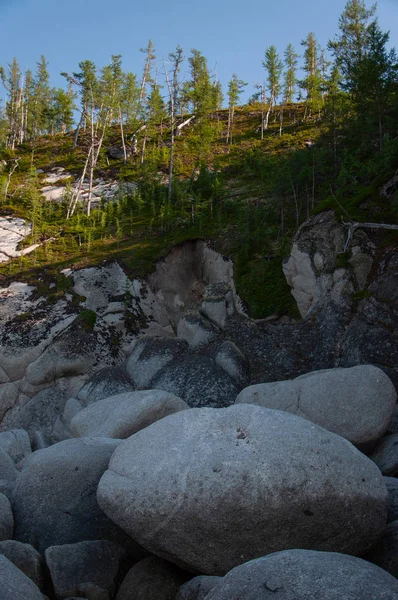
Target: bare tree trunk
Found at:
143, 149
184, 124
10, 174
76, 136
122, 134
281, 120
354, 225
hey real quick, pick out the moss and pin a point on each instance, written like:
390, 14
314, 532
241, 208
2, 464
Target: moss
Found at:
343, 260
86, 319
262, 286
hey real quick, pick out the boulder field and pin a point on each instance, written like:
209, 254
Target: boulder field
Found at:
199, 454
150, 498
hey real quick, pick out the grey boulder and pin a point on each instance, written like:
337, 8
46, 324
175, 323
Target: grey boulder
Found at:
26, 558
6, 519
14, 584
8, 473
198, 587
209, 489
385, 455
231, 360
149, 356
106, 382
73, 566
385, 552
306, 575
122, 415
16, 443
196, 330
54, 500
356, 403
392, 488
151, 579
38, 416
199, 381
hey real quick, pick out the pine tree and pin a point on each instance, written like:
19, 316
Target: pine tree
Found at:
273, 65
350, 47
173, 85
374, 80
312, 82
41, 119
291, 61
235, 88
62, 111
12, 82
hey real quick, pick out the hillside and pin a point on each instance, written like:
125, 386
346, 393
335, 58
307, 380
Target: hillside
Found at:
248, 198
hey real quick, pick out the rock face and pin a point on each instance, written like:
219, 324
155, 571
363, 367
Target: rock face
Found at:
88, 320
210, 489
356, 403
123, 415
303, 575
14, 584
54, 500
12, 232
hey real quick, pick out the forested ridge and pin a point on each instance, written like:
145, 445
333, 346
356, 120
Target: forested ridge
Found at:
319, 132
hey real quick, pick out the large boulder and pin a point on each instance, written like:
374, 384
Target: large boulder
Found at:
149, 356
122, 415
356, 403
38, 415
306, 575
392, 488
8, 473
385, 455
198, 587
16, 443
385, 552
209, 489
198, 380
6, 519
151, 579
107, 382
14, 584
54, 499
26, 558
73, 566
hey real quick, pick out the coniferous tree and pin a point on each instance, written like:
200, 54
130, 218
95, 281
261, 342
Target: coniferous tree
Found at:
313, 81
350, 46
235, 88
375, 78
291, 61
41, 100
273, 66
173, 85
12, 82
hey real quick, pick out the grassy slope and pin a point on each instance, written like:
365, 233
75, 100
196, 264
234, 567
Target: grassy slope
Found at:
242, 221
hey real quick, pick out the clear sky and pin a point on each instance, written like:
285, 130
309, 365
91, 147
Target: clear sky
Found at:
232, 34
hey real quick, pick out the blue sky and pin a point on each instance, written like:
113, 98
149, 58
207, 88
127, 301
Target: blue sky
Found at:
232, 34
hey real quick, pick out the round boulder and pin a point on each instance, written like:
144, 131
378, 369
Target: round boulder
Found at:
54, 500
356, 403
14, 584
122, 415
199, 381
306, 575
210, 489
